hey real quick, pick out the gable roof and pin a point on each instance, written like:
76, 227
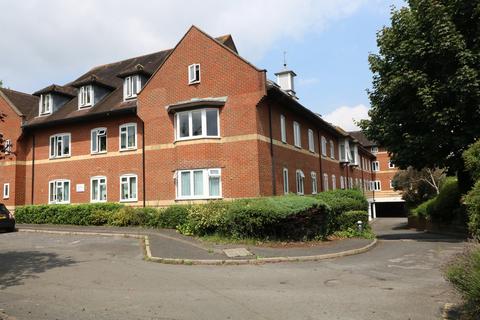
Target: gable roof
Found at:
362, 138
108, 76
21, 103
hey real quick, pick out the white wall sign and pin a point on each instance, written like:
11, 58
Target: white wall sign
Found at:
80, 187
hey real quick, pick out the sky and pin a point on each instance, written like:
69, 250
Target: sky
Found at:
327, 42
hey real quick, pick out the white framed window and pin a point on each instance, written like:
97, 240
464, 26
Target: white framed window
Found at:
314, 182
300, 181
128, 136
85, 97
332, 149
374, 150
391, 165
297, 135
283, 129
375, 166
199, 184
311, 141
285, 181
324, 146
342, 182
369, 165
8, 146
6, 190
325, 182
334, 182
376, 185
98, 189
59, 192
45, 104
193, 73
131, 87
197, 124
60, 145
99, 140
128, 188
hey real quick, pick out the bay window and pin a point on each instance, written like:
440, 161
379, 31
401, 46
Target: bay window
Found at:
199, 184
194, 124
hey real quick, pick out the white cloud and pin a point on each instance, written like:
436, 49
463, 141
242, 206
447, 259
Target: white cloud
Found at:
56, 40
345, 116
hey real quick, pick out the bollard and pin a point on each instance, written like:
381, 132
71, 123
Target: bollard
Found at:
360, 226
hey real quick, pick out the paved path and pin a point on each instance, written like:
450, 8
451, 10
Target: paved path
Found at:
83, 277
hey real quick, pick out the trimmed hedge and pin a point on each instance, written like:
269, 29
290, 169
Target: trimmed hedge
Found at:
422, 210
349, 219
283, 217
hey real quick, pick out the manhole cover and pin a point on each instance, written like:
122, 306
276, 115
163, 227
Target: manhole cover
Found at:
237, 252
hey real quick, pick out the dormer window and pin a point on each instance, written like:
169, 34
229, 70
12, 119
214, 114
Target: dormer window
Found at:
193, 73
45, 104
131, 87
85, 97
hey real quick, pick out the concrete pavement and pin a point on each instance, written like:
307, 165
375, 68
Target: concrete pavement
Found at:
83, 277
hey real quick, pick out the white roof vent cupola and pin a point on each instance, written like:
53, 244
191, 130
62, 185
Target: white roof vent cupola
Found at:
285, 79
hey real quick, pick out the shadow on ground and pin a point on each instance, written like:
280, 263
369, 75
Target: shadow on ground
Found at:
16, 266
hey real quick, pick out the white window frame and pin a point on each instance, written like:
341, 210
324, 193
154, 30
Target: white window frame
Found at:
92, 151
325, 182
374, 150
6, 190
126, 126
314, 182
375, 166
46, 100
311, 141
59, 183
128, 177
342, 182
376, 185
391, 165
391, 184
192, 73
286, 188
190, 124
297, 134
56, 138
128, 87
332, 149
83, 93
99, 178
207, 174
324, 146
334, 182
300, 182
283, 129
7, 146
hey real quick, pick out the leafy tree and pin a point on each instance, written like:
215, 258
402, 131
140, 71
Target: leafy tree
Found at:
418, 186
426, 85
472, 160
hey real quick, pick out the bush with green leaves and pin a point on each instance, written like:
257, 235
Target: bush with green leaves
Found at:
472, 202
129, 216
471, 157
447, 205
170, 217
422, 210
464, 273
349, 219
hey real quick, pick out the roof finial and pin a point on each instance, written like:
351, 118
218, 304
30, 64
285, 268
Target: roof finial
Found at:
285, 60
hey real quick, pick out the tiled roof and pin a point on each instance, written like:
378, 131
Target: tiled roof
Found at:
107, 75
22, 101
362, 138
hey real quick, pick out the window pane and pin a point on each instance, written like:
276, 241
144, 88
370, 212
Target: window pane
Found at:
102, 143
52, 147
94, 141
196, 123
131, 136
123, 139
95, 190
212, 123
198, 183
52, 192
103, 190
183, 125
185, 182
214, 186
66, 191
124, 189
134, 85
66, 145
133, 187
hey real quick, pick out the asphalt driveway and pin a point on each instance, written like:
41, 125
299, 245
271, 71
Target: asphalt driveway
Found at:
45, 276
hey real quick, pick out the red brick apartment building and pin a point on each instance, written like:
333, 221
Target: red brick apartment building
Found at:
192, 123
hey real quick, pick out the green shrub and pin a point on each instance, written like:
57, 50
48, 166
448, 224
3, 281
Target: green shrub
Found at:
471, 158
84, 214
349, 219
446, 206
422, 210
129, 216
472, 202
205, 218
464, 273
170, 217
341, 201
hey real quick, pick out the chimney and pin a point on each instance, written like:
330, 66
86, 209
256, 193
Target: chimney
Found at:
286, 82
